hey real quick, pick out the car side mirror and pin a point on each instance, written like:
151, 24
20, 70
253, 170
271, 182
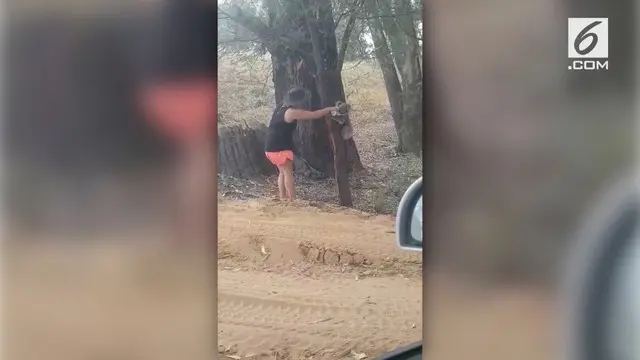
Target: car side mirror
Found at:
601, 312
409, 218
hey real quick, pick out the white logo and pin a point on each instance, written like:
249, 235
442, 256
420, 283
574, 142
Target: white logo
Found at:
588, 38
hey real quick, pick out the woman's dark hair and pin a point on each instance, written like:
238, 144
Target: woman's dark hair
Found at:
297, 97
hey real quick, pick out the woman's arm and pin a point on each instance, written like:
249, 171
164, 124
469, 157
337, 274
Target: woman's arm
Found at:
299, 114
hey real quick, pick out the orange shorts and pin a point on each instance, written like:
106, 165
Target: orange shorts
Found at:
279, 158
184, 111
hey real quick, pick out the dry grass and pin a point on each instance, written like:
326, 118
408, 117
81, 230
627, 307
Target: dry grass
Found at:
246, 90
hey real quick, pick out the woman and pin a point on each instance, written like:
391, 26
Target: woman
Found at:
279, 142
179, 96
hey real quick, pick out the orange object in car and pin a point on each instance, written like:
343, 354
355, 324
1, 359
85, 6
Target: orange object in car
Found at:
182, 110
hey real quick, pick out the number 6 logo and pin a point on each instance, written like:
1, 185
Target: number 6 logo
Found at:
588, 38
584, 35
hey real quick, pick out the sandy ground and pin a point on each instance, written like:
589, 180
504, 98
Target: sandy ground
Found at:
295, 282
305, 282
315, 282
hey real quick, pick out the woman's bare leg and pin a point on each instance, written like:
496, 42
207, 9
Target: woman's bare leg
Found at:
289, 180
282, 191
195, 182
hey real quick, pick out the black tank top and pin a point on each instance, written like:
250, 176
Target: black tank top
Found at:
280, 132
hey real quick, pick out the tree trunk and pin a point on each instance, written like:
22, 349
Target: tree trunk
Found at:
411, 131
389, 73
405, 98
335, 86
404, 19
331, 80
330, 88
412, 79
396, 39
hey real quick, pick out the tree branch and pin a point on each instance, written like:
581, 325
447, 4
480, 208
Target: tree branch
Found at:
252, 23
351, 10
393, 16
269, 36
344, 42
234, 41
314, 30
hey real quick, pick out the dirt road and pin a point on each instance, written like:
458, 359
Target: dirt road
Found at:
300, 281
284, 290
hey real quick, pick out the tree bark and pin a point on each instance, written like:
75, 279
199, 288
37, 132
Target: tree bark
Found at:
344, 42
405, 98
389, 73
404, 19
330, 88
396, 39
412, 79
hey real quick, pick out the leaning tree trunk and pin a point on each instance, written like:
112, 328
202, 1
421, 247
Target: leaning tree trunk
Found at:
412, 83
389, 73
396, 39
394, 31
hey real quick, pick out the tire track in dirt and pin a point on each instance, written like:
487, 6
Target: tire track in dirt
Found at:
266, 312
259, 312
